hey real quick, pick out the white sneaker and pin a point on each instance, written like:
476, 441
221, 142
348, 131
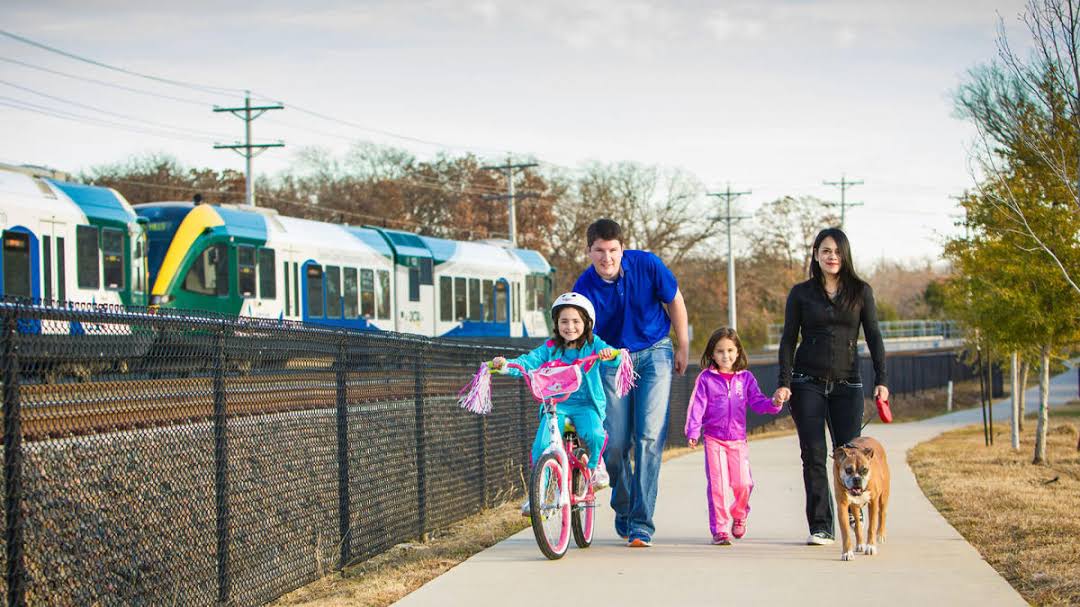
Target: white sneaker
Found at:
526, 511
820, 538
600, 479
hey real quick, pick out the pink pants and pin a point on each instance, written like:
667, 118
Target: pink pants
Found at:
727, 464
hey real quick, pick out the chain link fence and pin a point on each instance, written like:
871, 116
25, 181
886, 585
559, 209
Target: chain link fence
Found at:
166, 459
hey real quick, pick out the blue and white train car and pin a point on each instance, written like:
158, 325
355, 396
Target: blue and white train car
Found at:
67, 242
254, 262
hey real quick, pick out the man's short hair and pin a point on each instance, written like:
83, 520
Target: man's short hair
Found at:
603, 229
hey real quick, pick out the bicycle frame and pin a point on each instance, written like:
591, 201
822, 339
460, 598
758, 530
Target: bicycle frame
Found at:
558, 443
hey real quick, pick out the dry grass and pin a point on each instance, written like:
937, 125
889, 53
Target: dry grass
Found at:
384, 579
1022, 518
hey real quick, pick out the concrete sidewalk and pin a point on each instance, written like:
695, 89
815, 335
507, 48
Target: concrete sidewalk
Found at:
924, 562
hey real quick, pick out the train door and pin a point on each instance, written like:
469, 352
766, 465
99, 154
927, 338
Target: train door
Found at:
290, 283
415, 295
53, 261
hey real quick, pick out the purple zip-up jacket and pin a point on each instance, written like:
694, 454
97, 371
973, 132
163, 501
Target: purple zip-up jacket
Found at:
718, 408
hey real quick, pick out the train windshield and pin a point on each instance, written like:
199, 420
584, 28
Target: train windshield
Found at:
163, 222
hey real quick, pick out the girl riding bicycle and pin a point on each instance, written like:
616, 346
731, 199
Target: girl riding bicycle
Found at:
573, 315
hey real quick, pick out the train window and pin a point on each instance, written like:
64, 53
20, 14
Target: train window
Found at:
460, 299
314, 292
46, 257
530, 293
351, 291
474, 299
112, 258
383, 298
296, 289
16, 264
516, 301
138, 266
333, 292
285, 273
367, 293
427, 275
414, 283
245, 270
446, 298
500, 301
267, 280
209, 275
486, 293
87, 261
61, 274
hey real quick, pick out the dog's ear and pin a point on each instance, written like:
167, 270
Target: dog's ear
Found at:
837, 452
868, 452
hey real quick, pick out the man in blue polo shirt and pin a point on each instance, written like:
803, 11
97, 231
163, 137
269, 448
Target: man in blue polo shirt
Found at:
637, 302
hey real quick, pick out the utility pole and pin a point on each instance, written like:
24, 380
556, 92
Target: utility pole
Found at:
729, 219
250, 150
844, 185
510, 196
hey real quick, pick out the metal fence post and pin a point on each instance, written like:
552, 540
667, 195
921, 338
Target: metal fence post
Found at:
221, 479
343, 453
421, 469
15, 574
481, 427
523, 439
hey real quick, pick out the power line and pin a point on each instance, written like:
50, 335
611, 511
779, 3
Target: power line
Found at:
180, 83
844, 185
730, 219
100, 110
55, 113
104, 83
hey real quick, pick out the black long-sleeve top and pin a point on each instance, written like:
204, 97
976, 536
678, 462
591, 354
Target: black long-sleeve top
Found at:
830, 333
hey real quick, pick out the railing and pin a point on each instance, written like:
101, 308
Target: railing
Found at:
896, 330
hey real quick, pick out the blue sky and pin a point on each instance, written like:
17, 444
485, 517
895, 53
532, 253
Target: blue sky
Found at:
772, 96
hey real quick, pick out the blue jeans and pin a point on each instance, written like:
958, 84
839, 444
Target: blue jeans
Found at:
638, 422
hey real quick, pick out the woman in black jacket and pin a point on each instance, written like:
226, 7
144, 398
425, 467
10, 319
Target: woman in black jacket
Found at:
824, 383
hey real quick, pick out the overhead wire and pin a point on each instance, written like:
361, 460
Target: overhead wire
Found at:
108, 112
40, 109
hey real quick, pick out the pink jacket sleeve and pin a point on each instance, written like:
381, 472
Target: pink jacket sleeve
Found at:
696, 409
756, 399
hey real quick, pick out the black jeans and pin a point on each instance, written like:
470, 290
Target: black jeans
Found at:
816, 403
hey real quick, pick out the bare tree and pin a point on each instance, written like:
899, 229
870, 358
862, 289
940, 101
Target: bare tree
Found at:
1027, 112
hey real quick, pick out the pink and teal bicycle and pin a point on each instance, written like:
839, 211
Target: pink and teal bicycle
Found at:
561, 497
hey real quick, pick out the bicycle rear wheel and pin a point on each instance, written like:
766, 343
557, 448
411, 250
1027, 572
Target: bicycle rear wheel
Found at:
550, 521
581, 517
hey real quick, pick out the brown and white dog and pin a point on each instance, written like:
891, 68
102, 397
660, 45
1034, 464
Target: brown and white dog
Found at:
861, 478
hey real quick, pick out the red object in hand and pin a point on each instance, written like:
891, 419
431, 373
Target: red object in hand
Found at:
883, 410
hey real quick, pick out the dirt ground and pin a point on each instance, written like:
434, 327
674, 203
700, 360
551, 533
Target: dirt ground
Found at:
1021, 517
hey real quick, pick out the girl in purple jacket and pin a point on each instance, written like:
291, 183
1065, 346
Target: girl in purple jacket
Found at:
718, 412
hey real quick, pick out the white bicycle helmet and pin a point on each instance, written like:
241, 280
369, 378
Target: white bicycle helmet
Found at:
573, 299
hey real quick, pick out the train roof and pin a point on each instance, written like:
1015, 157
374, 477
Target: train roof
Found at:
96, 202
534, 260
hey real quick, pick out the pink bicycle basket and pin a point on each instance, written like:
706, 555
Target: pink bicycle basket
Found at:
552, 381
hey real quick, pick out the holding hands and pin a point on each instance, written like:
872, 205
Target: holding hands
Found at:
781, 395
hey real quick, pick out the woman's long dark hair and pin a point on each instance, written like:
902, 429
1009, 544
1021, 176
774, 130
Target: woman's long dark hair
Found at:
851, 286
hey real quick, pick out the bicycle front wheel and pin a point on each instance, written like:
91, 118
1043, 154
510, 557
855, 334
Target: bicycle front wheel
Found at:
550, 520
